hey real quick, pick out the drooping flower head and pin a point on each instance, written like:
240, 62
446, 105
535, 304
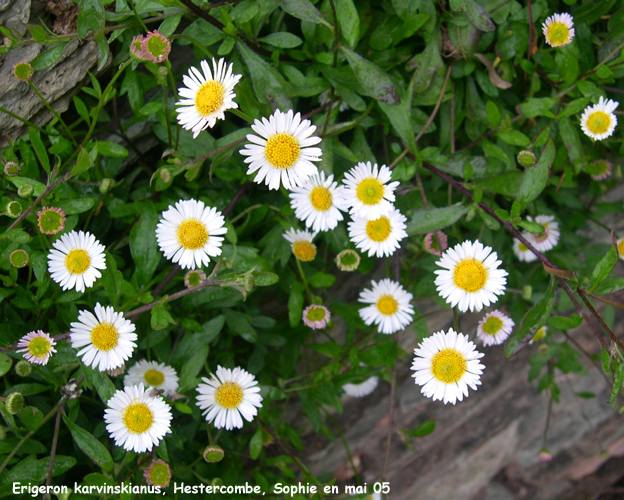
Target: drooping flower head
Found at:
136, 420
600, 170
156, 47
158, 474
76, 260
522, 251
227, 396
206, 96
494, 328
136, 49
368, 190
348, 260
283, 151
445, 365
558, 30
390, 306
105, 340
153, 374
380, 236
599, 121
51, 220
316, 316
436, 243
549, 238
362, 389
37, 347
470, 277
190, 233
318, 202
302, 246
194, 278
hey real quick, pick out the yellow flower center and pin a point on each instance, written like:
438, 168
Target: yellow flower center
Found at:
39, 347
370, 191
192, 234
77, 261
492, 325
387, 305
304, 250
209, 97
598, 122
379, 229
539, 334
229, 395
448, 366
104, 336
154, 377
321, 199
282, 150
316, 314
522, 247
620, 247
558, 34
470, 275
138, 418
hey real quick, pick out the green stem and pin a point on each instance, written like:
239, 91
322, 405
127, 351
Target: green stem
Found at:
305, 282
53, 111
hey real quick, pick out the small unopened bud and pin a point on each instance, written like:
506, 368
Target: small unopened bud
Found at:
25, 191
8, 43
14, 209
544, 455
162, 71
213, 453
165, 175
11, 169
526, 158
19, 258
23, 71
248, 282
23, 368
106, 184
14, 403
527, 291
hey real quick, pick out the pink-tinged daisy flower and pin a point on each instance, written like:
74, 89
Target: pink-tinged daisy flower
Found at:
156, 47
549, 238
494, 328
194, 278
436, 243
601, 170
51, 220
522, 251
37, 347
316, 317
158, 474
23, 71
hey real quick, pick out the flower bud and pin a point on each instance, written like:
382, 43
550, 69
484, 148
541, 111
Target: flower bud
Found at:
25, 191
11, 169
156, 47
544, 455
526, 158
19, 258
23, 71
106, 185
14, 209
14, 403
348, 260
165, 175
23, 368
213, 453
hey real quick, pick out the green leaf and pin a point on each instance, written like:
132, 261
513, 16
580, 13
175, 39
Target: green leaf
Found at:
5, 364
375, 82
182, 408
423, 429
160, 317
348, 20
535, 178
269, 85
282, 40
90, 445
538, 107
476, 13
532, 321
572, 141
427, 220
265, 279
603, 268
71, 207
322, 280
426, 65
49, 57
192, 366
38, 187
574, 107
108, 148
564, 323
40, 150
295, 303
238, 324
83, 163
514, 137
401, 118
493, 114
101, 382
90, 17
306, 11
144, 246
31, 418
255, 444
610, 285
329, 349
16, 235
112, 279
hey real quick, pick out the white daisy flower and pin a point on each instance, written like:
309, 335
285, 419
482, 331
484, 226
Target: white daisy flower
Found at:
599, 121
380, 236
188, 233
75, 259
445, 365
620, 248
522, 251
558, 30
318, 202
282, 152
494, 328
549, 238
37, 347
324, 99
153, 374
316, 316
368, 190
206, 96
136, 420
105, 340
390, 306
302, 246
227, 395
470, 278
362, 389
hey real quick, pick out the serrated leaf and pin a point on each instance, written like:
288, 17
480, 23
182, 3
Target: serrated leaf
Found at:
603, 268
427, 220
90, 445
535, 178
